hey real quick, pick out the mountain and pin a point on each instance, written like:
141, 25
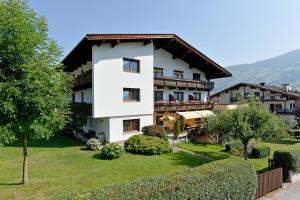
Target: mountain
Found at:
275, 71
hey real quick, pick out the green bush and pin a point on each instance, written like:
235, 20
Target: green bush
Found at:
233, 145
232, 179
93, 144
291, 156
155, 130
111, 151
147, 145
260, 151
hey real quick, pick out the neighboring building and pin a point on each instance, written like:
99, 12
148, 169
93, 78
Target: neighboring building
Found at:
280, 100
124, 82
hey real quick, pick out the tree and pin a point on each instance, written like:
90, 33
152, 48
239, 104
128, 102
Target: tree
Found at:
249, 120
33, 87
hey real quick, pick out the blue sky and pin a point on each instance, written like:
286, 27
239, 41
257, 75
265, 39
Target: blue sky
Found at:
228, 31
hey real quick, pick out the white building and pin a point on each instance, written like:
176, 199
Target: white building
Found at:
280, 100
123, 82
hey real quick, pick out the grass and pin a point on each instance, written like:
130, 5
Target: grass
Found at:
217, 151
60, 166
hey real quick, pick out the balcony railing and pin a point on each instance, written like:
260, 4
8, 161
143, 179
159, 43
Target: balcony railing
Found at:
83, 81
183, 83
285, 111
181, 106
82, 108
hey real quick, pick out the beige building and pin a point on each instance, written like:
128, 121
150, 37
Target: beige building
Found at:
280, 100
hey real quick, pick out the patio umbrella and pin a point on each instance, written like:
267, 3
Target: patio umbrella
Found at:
167, 118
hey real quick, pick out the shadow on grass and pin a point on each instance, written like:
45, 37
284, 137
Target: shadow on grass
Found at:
10, 184
186, 159
57, 141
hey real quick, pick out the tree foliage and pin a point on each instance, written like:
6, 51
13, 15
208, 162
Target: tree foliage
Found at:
33, 87
249, 120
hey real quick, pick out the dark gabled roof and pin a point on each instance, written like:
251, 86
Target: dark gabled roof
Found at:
276, 89
169, 42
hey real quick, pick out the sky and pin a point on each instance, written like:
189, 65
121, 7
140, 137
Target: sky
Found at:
228, 31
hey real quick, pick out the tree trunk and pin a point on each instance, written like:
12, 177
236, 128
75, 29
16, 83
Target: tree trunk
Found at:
245, 151
25, 160
245, 143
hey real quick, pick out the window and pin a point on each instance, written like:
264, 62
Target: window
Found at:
178, 74
131, 125
178, 96
82, 96
158, 96
196, 76
131, 94
73, 98
131, 65
292, 106
158, 72
257, 94
197, 96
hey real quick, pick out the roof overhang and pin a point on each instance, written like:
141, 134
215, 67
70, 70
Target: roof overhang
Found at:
169, 42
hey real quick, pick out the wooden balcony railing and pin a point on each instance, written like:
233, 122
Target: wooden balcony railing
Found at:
83, 81
82, 108
182, 106
183, 83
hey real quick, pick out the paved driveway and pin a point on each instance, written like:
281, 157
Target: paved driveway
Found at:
289, 192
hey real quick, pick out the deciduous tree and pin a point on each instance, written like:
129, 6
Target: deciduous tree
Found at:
33, 87
249, 120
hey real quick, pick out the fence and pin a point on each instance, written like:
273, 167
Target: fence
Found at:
268, 181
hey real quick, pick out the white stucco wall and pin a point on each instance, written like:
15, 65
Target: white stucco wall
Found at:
109, 80
163, 59
116, 126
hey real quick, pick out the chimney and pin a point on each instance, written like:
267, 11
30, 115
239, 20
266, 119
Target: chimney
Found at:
286, 87
262, 83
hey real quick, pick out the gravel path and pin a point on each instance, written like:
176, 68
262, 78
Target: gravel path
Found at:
193, 153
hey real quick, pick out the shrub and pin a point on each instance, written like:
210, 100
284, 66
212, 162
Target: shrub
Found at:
155, 130
147, 145
233, 145
232, 179
111, 151
93, 144
260, 151
291, 156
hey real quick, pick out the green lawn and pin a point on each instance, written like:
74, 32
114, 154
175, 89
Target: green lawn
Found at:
59, 166
217, 152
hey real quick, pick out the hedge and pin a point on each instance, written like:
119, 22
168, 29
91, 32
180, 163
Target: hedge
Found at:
156, 131
260, 151
147, 145
232, 179
290, 155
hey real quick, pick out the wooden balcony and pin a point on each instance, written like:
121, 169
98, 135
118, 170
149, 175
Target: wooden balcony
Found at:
82, 108
83, 81
182, 106
183, 83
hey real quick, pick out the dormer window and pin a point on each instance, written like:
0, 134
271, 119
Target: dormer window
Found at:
131, 65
